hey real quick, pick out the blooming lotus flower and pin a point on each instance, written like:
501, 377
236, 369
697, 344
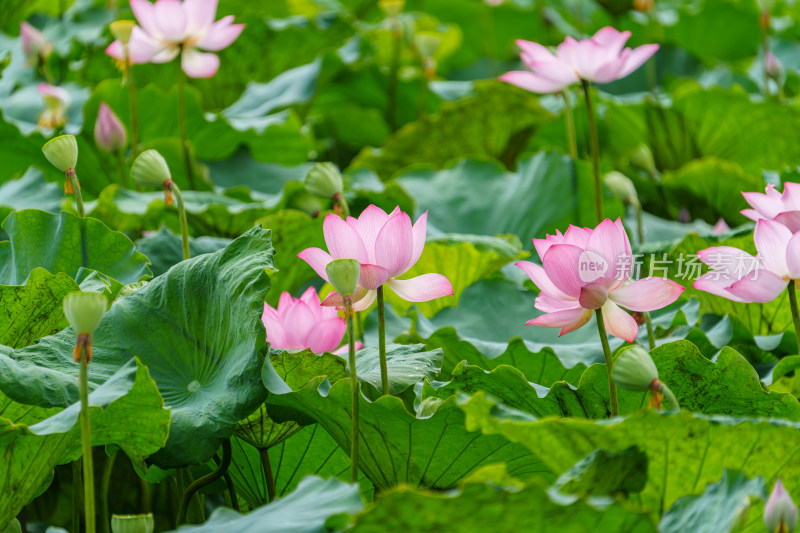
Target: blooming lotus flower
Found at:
780, 513
35, 47
171, 27
584, 270
783, 208
385, 246
600, 59
740, 277
300, 323
109, 133
56, 103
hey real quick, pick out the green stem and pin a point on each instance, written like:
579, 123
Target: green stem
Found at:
598, 189
639, 225
183, 222
187, 160
423, 95
76, 189
206, 480
651, 334
123, 179
230, 498
105, 483
765, 46
612, 388
795, 315
76, 495
394, 67
354, 391
570, 119
134, 110
265, 464
673, 402
382, 342
86, 441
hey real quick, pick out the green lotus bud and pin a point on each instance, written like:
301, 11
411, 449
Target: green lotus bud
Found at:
343, 275
13, 527
427, 42
121, 30
643, 158
150, 169
62, 152
132, 523
392, 8
622, 187
634, 369
84, 310
324, 180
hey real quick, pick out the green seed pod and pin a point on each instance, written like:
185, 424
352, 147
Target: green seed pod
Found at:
634, 369
150, 169
324, 180
392, 8
343, 275
121, 30
62, 152
622, 187
84, 310
132, 523
642, 157
427, 42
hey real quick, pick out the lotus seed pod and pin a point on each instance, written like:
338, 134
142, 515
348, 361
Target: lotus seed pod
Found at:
84, 310
642, 157
121, 30
136, 523
634, 369
150, 169
622, 187
392, 8
343, 275
62, 152
427, 42
780, 513
324, 180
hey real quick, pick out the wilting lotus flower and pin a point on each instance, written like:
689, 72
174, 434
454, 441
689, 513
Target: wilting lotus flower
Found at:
740, 277
584, 270
170, 27
600, 59
35, 47
300, 323
109, 133
783, 208
56, 103
780, 513
386, 246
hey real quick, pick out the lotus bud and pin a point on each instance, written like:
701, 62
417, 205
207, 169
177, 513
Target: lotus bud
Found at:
742, 514
427, 42
642, 157
324, 180
121, 30
774, 66
62, 152
137, 523
34, 45
721, 227
343, 275
109, 133
780, 513
683, 216
634, 369
392, 8
622, 187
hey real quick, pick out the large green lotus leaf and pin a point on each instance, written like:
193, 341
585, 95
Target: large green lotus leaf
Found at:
463, 259
164, 248
685, 451
601, 476
479, 197
34, 309
496, 122
126, 411
716, 510
65, 243
29, 191
430, 448
198, 328
305, 510
480, 507
406, 365
19, 152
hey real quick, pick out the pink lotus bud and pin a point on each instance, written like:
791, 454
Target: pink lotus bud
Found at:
774, 66
109, 133
34, 45
721, 227
780, 513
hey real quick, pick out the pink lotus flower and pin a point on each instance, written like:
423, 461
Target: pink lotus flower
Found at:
780, 512
783, 208
172, 27
300, 323
584, 270
600, 59
56, 103
109, 133
35, 47
386, 246
740, 277
720, 227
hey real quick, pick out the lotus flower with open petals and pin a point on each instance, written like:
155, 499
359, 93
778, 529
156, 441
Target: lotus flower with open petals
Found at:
741, 277
601, 58
772, 205
584, 270
300, 323
171, 27
386, 246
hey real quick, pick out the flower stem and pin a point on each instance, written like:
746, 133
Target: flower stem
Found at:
134, 109
612, 388
598, 190
382, 342
76, 188
795, 315
123, 179
394, 67
765, 49
673, 402
206, 480
183, 222
105, 483
76, 495
86, 441
265, 464
187, 160
354, 390
651, 334
570, 120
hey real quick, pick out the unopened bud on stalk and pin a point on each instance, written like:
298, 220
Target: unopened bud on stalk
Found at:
642, 157
84, 310
324, 180
34, 45
392, 8
109, 133
121, 30
622, 186
774, 66
427, 42
780, 513
62, 152
634, 369
343, 275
